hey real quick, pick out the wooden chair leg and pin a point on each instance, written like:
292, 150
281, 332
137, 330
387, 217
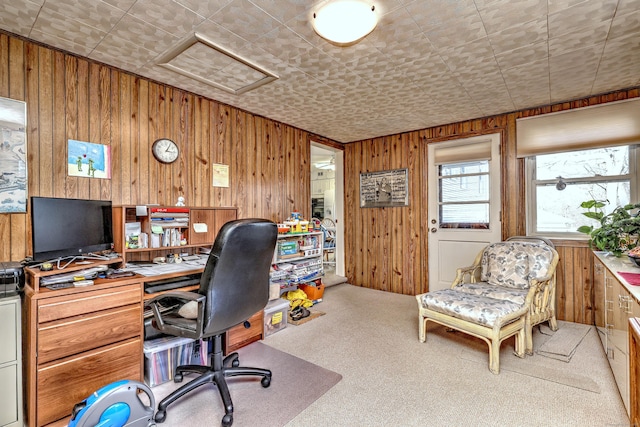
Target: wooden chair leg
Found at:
520, 343
494, 357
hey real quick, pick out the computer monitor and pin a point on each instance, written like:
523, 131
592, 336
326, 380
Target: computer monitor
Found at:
69, 227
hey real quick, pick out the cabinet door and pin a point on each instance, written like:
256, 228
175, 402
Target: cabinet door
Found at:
8, 334
634, 368
599, 278
8, 396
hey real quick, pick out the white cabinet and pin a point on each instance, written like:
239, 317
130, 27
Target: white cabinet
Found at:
297, 260
619, 305
10, 363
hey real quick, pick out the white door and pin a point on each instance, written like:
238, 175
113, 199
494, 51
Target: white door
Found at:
464, 204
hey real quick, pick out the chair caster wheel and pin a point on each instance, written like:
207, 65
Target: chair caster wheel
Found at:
235, 363
177, 378
266, 382
227, 420
160, 416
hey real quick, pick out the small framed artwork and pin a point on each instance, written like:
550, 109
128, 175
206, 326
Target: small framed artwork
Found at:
384, 189
13, 156
89, 160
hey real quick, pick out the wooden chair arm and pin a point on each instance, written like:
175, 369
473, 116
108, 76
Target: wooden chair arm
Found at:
468, 274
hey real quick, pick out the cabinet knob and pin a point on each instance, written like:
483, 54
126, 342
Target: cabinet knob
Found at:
246, 324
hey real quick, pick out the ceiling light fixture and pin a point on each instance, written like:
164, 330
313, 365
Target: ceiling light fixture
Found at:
345, 21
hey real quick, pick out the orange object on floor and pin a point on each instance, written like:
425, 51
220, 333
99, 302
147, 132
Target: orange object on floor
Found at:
314, 292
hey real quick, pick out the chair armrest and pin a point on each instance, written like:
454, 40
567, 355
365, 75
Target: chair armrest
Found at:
160, 323
466, 275
541, 295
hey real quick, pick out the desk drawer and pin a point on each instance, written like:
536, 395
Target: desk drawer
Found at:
66, 382
239, 336
87, 302
76, 334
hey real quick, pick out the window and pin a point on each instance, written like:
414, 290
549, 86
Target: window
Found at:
464, 195
560, 182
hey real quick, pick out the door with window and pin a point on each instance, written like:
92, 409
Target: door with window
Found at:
464, 204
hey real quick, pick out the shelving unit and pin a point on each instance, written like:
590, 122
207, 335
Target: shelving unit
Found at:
179, 229
297, 260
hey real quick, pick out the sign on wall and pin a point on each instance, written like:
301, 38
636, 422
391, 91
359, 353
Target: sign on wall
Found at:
384, 189
13, 156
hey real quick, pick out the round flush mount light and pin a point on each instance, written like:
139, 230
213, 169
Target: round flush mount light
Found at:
344, 21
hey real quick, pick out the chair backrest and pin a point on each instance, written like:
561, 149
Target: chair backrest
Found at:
236, 277
514, 263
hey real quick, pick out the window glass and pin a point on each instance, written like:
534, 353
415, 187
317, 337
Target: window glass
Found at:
562, 181
587, 163
464, 195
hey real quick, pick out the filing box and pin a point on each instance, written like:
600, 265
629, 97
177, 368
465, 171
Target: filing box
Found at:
275, 316
163, 355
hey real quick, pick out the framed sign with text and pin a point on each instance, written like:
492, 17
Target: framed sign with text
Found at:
384, 189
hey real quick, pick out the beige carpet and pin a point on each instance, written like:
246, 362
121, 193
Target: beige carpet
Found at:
390, 378
294, 386
557, 344
562, 343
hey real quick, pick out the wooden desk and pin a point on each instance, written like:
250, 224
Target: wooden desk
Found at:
77, 340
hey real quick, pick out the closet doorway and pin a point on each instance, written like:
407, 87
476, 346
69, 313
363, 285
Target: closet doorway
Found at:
327, 203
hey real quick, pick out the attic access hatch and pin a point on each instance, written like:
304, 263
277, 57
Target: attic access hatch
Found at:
203, 60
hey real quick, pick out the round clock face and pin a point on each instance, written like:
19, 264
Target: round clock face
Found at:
165, 150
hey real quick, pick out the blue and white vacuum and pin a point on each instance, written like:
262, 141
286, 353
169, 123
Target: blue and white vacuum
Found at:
115, 405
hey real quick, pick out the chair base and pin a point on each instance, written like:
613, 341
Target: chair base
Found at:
220, 369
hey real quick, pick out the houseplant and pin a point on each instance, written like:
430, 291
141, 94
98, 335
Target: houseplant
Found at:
617, 232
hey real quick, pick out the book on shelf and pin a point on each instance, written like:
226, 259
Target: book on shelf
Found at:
169, 209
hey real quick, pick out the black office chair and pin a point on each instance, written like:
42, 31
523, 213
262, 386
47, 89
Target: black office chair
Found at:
234, 286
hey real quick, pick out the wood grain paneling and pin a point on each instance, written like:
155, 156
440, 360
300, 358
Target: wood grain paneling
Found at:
386, 248
74, 98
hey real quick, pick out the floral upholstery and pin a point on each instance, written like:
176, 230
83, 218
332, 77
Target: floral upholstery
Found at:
509, 288
517, 296
513, 264
470, 307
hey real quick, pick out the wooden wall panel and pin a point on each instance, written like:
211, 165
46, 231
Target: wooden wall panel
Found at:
386, 249
74, 98
372, 255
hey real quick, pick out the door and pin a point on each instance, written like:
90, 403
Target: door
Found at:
327, 192
464, 204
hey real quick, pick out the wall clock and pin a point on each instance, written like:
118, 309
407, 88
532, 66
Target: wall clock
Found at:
165, 150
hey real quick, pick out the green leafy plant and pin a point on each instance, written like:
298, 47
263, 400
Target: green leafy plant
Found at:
617, 232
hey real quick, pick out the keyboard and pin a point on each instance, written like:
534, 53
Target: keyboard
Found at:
172, 283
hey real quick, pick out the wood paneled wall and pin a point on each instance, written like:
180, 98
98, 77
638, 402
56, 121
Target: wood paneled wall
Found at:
73, 98
386, 248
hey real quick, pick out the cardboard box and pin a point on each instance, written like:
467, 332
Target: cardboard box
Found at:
163, 355
275, 316
314, 292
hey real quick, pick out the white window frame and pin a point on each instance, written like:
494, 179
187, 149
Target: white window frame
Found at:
530, 187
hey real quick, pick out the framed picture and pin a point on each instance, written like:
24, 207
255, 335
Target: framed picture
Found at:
384, 189
89, 160
13, 156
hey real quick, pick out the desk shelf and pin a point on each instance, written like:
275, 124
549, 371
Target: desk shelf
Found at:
196, 226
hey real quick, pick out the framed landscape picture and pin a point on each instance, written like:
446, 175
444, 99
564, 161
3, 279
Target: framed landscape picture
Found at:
13, 156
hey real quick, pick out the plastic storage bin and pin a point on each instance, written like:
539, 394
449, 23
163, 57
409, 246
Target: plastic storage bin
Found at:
163, 355
275, 316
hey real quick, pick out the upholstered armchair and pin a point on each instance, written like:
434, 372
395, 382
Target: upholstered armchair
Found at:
509, 288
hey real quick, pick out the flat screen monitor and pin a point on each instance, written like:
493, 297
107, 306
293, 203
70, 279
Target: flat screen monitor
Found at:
69, 227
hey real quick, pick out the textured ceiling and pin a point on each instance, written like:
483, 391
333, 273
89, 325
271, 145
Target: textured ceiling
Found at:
428, 62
